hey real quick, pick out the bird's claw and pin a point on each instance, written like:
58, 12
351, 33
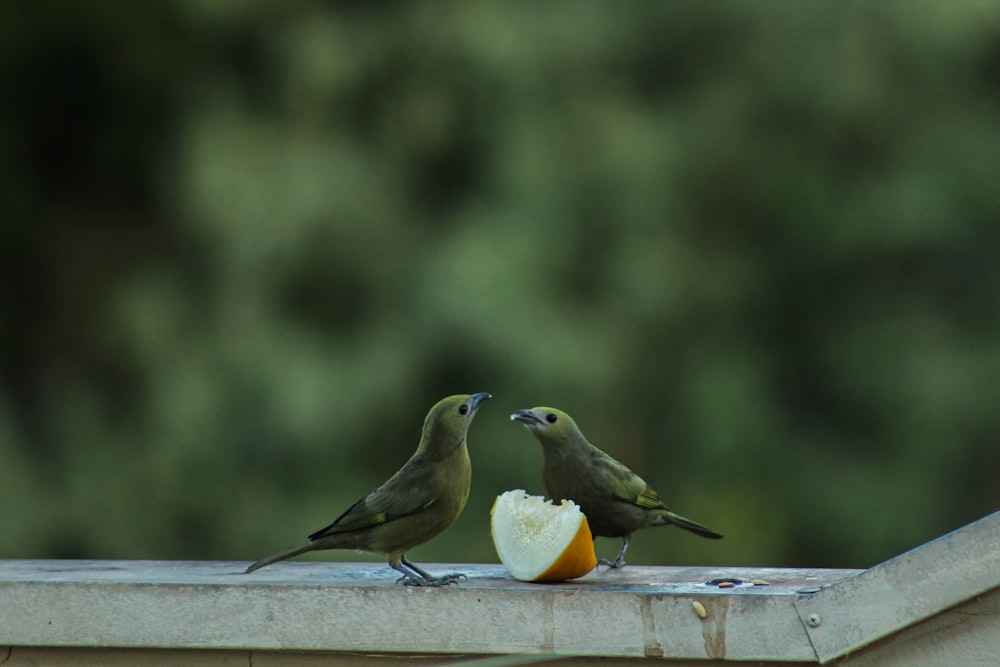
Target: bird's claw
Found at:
443, 580
446, 579
613, 564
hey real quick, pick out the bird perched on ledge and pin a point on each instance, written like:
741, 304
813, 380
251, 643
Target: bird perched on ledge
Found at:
616, 501
422, 499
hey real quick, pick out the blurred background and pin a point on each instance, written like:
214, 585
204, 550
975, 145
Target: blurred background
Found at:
751, 247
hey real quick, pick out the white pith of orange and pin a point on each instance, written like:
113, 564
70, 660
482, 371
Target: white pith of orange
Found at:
540, 541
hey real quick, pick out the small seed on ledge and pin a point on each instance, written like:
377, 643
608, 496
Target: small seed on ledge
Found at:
726, 584
730, 580
699, 609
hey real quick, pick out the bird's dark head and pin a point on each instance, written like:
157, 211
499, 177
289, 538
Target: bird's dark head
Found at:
547, 423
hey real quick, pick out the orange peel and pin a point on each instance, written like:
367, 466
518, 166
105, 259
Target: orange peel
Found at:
538, 540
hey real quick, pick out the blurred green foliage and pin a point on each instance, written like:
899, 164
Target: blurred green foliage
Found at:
751, 247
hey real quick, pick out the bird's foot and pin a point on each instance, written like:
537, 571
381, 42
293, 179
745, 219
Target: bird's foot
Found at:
443, 580
619, 561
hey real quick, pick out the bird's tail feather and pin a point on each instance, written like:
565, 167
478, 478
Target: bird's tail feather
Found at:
669, 518
295, 550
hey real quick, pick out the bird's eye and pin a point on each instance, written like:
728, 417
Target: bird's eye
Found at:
463, 409
551, 418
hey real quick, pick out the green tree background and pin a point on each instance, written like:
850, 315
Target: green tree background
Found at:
752, 248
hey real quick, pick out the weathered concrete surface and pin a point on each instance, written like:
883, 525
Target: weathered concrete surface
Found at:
70, 657
351, 614
358, 608
905, 590
966, 635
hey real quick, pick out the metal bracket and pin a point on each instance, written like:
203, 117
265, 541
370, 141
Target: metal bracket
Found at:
904, 590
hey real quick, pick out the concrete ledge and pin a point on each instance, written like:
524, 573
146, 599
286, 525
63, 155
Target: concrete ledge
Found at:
936, 604
357, 608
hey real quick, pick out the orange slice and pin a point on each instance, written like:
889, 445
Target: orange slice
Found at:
540, 541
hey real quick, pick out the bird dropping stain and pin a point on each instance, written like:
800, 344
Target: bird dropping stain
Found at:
651, 647
713, 629
548, 621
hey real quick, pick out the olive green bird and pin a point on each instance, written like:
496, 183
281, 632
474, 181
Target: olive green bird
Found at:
422, 499
616, 501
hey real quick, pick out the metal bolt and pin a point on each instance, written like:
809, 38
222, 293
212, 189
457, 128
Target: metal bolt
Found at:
813, 620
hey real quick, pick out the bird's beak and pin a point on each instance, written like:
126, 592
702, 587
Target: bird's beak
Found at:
527, 417
478, 399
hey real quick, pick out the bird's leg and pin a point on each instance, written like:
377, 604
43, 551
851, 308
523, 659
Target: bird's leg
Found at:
620, 561
408, 577
424, 578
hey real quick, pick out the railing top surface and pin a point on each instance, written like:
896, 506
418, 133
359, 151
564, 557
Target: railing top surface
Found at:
782, 614
659, 580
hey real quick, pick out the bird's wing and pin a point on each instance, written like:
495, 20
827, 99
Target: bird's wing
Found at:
626, 486
386, 503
